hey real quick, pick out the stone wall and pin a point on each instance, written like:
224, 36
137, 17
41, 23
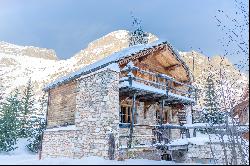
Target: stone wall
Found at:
94, 108
59, 143
142, 134
62, 105
97, 115
149, 153
202, 154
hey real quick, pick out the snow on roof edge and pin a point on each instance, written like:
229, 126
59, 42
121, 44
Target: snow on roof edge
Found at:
113, 58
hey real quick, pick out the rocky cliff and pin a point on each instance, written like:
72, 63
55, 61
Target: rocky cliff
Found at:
19, 63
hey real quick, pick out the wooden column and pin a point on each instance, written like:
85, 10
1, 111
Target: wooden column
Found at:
161, 130
162, 108
132, 122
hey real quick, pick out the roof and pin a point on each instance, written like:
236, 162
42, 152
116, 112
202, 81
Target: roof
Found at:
113, 58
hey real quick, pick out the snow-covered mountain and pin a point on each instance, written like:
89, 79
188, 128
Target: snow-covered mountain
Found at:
232, 81
19, 63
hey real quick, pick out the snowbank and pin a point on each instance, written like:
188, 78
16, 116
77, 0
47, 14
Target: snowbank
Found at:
22, 156
201, 139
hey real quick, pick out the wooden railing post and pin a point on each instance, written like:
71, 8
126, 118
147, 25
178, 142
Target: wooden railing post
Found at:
162, 109
132, 122
166, 86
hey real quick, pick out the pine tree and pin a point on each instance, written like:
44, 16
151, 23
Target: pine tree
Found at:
211, 113
138, 36
28, 108
9, 124
37, 126
1, 92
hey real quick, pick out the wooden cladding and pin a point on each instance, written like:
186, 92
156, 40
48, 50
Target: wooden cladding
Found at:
62, 105
160, 60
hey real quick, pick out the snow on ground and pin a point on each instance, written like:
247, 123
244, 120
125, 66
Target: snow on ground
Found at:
22, 156
202, 139
33, 160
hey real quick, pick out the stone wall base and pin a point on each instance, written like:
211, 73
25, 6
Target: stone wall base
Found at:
202, 154
140, 153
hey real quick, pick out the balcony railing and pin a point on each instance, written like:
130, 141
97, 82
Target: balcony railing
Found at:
158, 82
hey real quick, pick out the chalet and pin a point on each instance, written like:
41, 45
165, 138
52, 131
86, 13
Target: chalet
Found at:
112, 108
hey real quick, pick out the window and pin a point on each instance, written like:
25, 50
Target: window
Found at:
126, 114
164, 117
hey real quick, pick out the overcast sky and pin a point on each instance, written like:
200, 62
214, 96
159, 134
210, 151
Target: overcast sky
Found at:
67, 26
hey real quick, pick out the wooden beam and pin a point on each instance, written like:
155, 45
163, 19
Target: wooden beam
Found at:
172, 67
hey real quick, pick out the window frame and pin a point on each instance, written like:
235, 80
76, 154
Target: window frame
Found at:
125, 122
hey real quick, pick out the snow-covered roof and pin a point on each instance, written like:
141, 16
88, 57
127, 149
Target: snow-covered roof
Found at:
113, 58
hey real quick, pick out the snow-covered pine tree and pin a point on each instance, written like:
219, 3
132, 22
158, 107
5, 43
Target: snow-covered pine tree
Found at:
137, 36
9, 124
28, 108
211, 113
1, 92
37, 126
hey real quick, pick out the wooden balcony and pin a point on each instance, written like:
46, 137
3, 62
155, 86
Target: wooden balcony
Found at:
153, 86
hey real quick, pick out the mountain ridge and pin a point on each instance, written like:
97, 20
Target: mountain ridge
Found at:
43, 66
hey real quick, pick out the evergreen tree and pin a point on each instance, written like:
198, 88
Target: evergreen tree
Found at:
138, 36
1, 92
28, 108
9, 124
37, 126
35, 140
211, 113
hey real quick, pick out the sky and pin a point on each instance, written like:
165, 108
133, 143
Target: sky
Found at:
67, 26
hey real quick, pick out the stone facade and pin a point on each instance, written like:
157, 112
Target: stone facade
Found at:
98, 111
92, 104
59, 143
202, 154
149, 153
96, 116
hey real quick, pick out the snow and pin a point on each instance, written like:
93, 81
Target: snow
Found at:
138, 85
70, 127
129, 65
200, 139
22, 156
184, 98
105, 62
196, 125
92, 160
143, 87
113, 67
